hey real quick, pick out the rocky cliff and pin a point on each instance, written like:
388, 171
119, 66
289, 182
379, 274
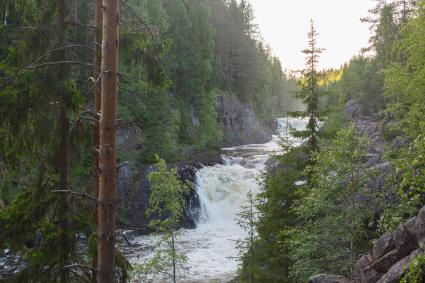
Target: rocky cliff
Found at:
239, 122
240, 126
393, 253
133, 196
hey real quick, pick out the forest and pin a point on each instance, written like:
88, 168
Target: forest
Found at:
115, 116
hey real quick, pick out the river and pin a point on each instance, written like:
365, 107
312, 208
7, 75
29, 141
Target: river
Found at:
210, 247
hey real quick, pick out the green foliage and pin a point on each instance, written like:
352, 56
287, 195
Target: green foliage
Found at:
416, 271
166, 205
271, 259
309, 92
247, 220
404, 87
330, 233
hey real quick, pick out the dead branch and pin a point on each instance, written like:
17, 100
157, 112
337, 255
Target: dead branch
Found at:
32, 67
92, 114
60, 49
76, 193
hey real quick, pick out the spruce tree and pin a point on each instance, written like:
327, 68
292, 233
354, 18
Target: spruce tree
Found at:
310, 91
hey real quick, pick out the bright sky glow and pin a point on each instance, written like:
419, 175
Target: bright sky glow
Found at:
284, 25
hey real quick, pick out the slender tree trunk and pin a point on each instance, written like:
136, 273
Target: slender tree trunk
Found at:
97, 40
173, 247
63, 152
74, 19
107, 149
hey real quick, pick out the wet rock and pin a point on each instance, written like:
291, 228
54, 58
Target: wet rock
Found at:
324, 278
364, 271
396, 271
384, 245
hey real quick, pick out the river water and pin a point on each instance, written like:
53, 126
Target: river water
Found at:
223, 188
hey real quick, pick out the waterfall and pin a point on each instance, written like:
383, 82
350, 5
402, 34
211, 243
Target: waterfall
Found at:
222, 190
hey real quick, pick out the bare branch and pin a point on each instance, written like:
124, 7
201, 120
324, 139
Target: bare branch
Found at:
76, 193
32, 67
91, 113
91, 119
60, 49
126, 124
78, 266
122, 164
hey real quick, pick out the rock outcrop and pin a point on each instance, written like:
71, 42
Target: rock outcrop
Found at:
134, 190
324, 278
393, 253
239, 122
369, 126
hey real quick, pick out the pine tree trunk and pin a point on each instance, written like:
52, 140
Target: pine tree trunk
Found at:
107, 149
63, 153
97, 39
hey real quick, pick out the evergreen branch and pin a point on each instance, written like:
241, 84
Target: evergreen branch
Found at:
148, 27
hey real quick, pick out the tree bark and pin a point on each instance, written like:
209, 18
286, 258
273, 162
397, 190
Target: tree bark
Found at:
63, 152
97, 41
107, 148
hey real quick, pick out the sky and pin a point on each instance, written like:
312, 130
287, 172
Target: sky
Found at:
284, 25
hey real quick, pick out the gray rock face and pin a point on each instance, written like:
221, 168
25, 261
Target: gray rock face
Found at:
133, 196
239, 123
384, 263
396, 272
369, 126
420, 227
324, 278
364, 272
392, 253
383, 245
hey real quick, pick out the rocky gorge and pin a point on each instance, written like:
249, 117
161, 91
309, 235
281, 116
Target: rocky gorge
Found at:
239, 125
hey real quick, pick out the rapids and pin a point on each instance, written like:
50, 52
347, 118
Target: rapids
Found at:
210, 247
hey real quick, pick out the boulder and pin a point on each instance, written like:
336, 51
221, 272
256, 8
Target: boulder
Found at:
384, 263
396, 271
410, 226
364, 271
325, 278
420, 227
384, 245
404, 242
353, 108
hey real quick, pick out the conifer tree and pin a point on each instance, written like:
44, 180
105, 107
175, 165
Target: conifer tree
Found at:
247, 220
310, 91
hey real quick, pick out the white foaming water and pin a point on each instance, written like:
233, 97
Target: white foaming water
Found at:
222, 189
